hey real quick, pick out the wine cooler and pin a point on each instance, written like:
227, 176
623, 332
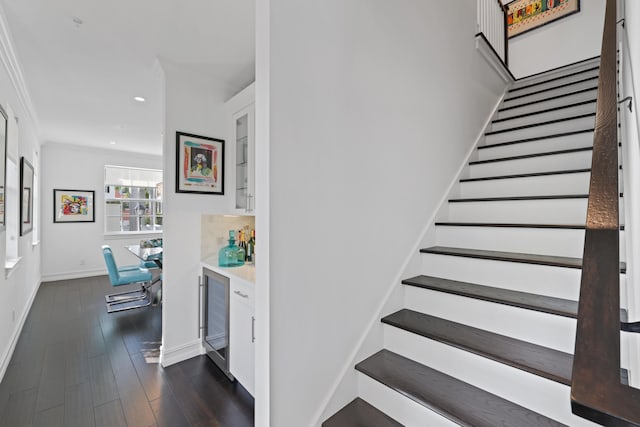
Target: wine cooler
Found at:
215, 321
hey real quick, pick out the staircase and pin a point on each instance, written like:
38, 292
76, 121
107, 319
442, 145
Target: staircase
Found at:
486, 334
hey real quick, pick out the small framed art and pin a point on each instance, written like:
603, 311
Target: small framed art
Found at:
73, 206
199, 164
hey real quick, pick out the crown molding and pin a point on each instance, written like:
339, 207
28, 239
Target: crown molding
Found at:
10, 61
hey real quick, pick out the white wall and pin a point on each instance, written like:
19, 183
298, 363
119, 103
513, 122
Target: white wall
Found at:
631, 84
632, 25
73, 249
373, 106
18, 290
562, 42
194, 103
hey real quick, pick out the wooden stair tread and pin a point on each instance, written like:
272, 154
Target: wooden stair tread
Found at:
548, 110
527, 175
564, 95
517, 198
533, 125
535, 302
554, 261
573, 83
529, 156
511, 225
453, 399
552, 79
542, 361
360, 413
538, 138
514, 225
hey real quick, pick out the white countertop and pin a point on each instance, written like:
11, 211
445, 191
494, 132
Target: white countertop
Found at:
246, 272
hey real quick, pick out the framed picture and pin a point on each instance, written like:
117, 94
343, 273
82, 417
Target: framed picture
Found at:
527, 15
199, 164
73, 206
26, 197
3, 164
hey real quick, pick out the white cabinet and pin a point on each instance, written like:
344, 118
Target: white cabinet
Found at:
242, 333
241, 111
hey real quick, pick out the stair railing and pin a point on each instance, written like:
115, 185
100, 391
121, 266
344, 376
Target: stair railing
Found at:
597, 393
630, 155
492, 25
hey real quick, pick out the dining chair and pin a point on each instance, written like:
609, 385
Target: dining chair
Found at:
125, 276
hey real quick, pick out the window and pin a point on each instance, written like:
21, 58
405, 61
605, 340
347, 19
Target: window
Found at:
133, 200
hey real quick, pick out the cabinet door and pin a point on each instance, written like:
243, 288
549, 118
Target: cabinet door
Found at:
242, 363
244, 138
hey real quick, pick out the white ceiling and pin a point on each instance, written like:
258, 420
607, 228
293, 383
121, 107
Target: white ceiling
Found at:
82, 77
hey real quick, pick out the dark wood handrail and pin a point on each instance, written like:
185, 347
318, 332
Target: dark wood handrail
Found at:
596, 391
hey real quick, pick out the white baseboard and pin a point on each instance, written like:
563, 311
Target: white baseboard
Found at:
6, 358
180, 353
73, 275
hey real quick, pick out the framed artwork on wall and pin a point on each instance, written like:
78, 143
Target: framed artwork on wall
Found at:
26, 196
73, 206
199, 164
526, 15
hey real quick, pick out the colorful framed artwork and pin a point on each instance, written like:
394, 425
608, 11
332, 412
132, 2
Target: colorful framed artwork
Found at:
26, 197
199, 164
527, 15
73, 206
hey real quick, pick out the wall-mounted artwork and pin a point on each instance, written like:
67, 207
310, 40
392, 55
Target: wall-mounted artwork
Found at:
73, 206
527, 15
26, 197
199, 164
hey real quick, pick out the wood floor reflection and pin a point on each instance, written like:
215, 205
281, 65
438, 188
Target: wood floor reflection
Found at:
76, 365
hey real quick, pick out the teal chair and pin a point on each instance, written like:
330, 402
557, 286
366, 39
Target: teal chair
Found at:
125, 276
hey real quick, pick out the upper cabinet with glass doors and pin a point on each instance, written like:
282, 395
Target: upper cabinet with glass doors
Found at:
241, 112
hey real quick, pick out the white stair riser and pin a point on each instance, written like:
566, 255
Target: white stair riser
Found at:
556, 282
542, 241
557, 73
545, 163
555, 242
561, 211
513, 101
527, 325
537, 279
531, 391
570, 183
400, 408
545, 105
541, 130
560, 81
538, 146
577, 110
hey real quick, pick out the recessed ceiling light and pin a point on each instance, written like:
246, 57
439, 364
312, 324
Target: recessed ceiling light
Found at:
112, 142
139, 98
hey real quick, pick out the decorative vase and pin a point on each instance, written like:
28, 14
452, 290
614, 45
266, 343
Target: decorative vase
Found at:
231, 255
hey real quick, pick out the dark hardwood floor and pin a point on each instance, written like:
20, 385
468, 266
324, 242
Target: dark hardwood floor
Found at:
76, 365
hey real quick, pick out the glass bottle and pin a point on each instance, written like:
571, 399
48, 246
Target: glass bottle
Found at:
250, 247
240, 255
228, 256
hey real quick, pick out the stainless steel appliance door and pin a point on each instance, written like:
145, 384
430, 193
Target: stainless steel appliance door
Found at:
216, 319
